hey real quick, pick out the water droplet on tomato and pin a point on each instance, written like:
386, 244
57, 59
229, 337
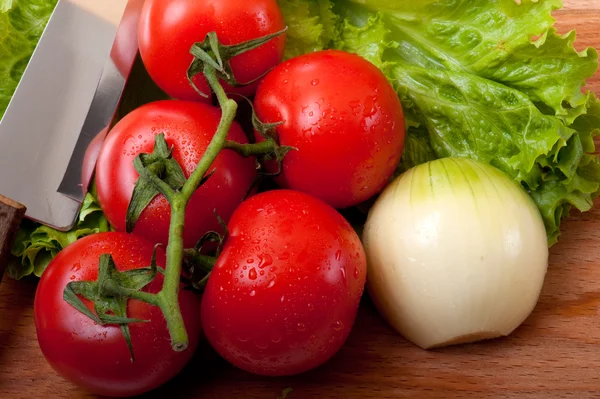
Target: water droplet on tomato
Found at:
271, 284
276, 337
282, 298
252, 274
355, 106
315, 82
265, 260
261, 344
356, 272
338, 255
343, 271
253, 293
301, 327
370, 107
311, 306
243, 338
250, 260
245, 267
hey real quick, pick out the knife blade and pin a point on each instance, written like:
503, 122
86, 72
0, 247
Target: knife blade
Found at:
67, 95
106, 100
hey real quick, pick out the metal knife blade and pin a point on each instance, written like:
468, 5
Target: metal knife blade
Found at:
106, 100
67, 95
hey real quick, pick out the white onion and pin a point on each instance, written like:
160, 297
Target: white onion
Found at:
457, 253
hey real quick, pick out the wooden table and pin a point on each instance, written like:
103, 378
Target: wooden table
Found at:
555, 354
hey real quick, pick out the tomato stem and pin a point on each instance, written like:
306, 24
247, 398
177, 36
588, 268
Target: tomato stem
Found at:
169, 293
249, 150
229, 109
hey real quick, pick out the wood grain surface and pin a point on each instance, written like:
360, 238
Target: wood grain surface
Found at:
555, 354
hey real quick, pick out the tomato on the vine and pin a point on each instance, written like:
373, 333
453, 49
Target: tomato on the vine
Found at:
343, 118
169, 28
97, 357
188, 128
284, 292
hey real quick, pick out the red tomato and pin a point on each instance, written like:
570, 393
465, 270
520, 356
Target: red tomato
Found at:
125, 48
169, 28
96, 357
284, 293
188, 128
344, 118
89, 160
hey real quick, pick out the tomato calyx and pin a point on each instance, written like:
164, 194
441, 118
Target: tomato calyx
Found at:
218, 56
199, 264
200, 267
110, 293
160, 164
266, 150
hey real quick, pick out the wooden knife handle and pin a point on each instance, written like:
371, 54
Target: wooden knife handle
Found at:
11, 215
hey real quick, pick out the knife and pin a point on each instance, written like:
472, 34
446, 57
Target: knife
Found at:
67, 97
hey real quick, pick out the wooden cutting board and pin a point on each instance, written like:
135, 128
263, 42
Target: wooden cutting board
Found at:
555, 354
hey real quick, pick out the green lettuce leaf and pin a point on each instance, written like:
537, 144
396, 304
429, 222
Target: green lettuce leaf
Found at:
311, 25
370, 40
417, 149
550, 72
21, 25
493, 39
466, 115
488, 80
36, 245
